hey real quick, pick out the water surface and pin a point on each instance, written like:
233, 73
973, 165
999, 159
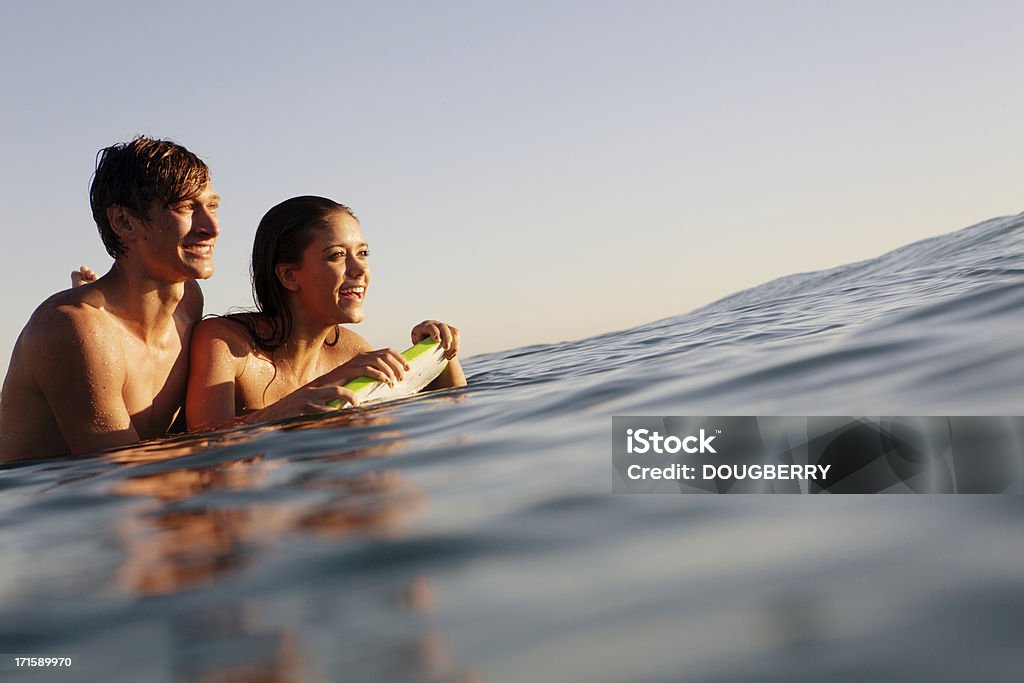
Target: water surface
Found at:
470, 534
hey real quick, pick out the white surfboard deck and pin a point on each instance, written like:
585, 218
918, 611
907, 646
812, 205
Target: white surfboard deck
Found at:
426, 361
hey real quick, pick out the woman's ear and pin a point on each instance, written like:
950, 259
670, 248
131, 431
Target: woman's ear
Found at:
286, 276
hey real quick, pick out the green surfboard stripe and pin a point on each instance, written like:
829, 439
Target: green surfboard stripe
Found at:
361, 383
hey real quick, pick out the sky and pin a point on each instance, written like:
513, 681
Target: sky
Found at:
530, 172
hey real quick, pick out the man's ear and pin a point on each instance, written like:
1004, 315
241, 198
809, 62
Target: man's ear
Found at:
286, 276
122, 222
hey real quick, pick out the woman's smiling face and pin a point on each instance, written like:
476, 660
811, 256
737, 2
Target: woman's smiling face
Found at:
335, 272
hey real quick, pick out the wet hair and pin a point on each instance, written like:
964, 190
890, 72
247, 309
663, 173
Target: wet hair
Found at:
139, 174
283, 234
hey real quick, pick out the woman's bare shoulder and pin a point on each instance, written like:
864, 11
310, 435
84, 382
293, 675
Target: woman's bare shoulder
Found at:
224, 330
349, 345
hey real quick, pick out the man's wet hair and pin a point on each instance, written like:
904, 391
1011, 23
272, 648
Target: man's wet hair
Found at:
139, 174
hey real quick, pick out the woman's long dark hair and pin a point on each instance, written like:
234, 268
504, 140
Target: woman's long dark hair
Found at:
283, 234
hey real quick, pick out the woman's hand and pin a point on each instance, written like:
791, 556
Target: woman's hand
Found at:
444, 334
82, 276
307, 400
385, 365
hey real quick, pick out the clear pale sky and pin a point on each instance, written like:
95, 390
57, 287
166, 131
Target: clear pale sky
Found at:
529, 171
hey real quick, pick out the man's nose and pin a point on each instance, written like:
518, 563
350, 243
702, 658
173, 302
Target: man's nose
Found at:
206, 222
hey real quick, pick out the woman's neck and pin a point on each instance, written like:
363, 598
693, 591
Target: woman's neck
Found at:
302, 350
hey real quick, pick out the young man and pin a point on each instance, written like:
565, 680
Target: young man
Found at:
105, 364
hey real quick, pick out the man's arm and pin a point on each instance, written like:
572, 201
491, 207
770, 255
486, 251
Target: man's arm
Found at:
82, 374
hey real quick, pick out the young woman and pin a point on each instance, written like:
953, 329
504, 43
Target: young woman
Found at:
310, 273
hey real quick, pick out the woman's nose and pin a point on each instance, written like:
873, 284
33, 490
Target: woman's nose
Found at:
356, 267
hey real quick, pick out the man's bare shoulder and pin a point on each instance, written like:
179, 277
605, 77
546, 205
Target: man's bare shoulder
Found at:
72, 316
70, 347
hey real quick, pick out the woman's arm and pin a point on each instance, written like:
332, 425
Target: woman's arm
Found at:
451, 376
353, 357
219, 351
216, 356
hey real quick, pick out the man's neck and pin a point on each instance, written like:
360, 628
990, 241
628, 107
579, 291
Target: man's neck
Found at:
146, 305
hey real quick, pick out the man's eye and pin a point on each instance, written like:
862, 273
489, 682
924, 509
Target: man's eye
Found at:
364, 253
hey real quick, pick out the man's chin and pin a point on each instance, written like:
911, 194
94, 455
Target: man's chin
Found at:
200, 273
198, 267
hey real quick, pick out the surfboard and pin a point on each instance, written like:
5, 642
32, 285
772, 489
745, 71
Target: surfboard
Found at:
426, 361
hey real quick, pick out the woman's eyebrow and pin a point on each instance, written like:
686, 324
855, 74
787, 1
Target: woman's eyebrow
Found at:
344, 246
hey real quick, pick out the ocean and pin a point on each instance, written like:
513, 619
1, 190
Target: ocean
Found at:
471, 535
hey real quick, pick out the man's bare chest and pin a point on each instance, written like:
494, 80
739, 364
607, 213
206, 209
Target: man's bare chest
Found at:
155, 383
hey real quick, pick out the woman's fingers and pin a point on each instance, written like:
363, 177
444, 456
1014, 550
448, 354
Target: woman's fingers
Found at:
427, 328
417, 335
332, 398
393, 364
344, 397
310, 400
380, 375
444, 334
386, 365
449, 340
397, 362
82, 276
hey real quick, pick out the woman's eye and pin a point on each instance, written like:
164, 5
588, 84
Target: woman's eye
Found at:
337, 255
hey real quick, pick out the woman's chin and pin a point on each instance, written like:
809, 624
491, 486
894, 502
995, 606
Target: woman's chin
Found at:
350, 316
